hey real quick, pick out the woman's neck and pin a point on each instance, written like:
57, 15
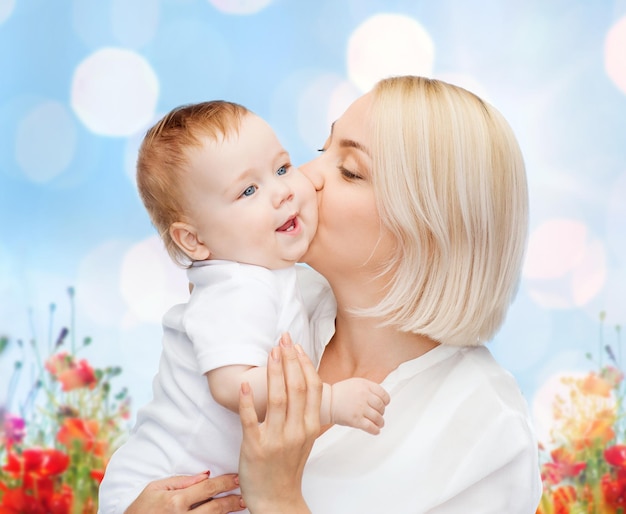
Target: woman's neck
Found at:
362, 348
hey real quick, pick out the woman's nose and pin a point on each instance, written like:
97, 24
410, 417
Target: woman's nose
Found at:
311, 171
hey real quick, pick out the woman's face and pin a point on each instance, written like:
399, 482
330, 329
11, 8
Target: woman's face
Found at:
350, 237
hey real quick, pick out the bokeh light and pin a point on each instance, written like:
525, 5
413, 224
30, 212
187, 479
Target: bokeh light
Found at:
45, 141
6, 8
543, 402
134, 24
589, 276
100, 268
81, 82
150, 282
331, 92
565, 265
240, 6
388, 44
615, 54
114, 92
555, 248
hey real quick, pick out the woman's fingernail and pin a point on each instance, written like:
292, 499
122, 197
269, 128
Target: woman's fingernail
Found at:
299, 350
245, 388
207, 473
236, 479
286, 341
275, 353
241, 502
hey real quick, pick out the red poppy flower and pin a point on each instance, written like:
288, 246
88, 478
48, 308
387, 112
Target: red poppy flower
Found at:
83, 432
97, 475
61, 501
616, 455
42, 462
614, 491
563, 465
25, 500
563, 497
81, 375
58, 363
71, 373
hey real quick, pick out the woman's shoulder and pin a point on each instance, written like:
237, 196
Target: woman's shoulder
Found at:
466, 376
492, 379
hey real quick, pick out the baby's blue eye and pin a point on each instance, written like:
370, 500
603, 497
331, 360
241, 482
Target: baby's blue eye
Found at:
249, 191
282, 170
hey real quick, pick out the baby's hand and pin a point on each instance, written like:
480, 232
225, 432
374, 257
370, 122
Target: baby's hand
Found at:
358, 403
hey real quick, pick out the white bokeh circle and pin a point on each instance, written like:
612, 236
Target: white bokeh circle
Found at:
543, 403
114, 92
97, 291
386, 45
331, 93
6, 9
565, 265
554, 248
240, 6
45, 141
150, 282
615, 54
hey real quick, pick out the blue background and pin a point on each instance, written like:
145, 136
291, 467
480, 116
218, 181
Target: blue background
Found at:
70, 215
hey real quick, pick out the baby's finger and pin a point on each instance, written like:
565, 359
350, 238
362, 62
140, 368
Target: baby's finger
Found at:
369, 426
379, 391
375, 417
375, 402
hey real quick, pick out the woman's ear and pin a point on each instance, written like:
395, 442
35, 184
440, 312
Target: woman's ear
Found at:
186, 238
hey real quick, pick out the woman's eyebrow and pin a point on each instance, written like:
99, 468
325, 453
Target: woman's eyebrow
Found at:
349, 143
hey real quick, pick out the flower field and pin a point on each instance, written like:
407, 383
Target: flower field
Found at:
55, 442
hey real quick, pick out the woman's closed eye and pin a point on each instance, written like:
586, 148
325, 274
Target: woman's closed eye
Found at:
349, 175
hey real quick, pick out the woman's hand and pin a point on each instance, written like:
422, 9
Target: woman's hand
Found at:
178, 494
273, 453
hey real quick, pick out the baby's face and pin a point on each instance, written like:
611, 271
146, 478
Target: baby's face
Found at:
246, 200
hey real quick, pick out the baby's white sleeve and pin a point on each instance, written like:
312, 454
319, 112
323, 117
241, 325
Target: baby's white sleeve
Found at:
233, 321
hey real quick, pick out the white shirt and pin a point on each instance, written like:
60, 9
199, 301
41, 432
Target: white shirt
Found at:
457, 439
235, 315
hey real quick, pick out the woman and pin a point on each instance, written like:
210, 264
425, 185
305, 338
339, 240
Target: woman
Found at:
422, 227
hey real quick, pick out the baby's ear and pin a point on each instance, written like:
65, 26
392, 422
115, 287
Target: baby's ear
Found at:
186, 238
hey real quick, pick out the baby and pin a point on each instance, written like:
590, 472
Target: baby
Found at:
228, 203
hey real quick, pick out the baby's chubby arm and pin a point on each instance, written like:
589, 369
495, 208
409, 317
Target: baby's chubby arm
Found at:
355, 402
225, 384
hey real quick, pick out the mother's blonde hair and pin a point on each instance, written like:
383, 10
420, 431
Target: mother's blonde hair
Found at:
451, 187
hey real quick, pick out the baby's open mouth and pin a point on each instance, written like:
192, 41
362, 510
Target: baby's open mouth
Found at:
288, 226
